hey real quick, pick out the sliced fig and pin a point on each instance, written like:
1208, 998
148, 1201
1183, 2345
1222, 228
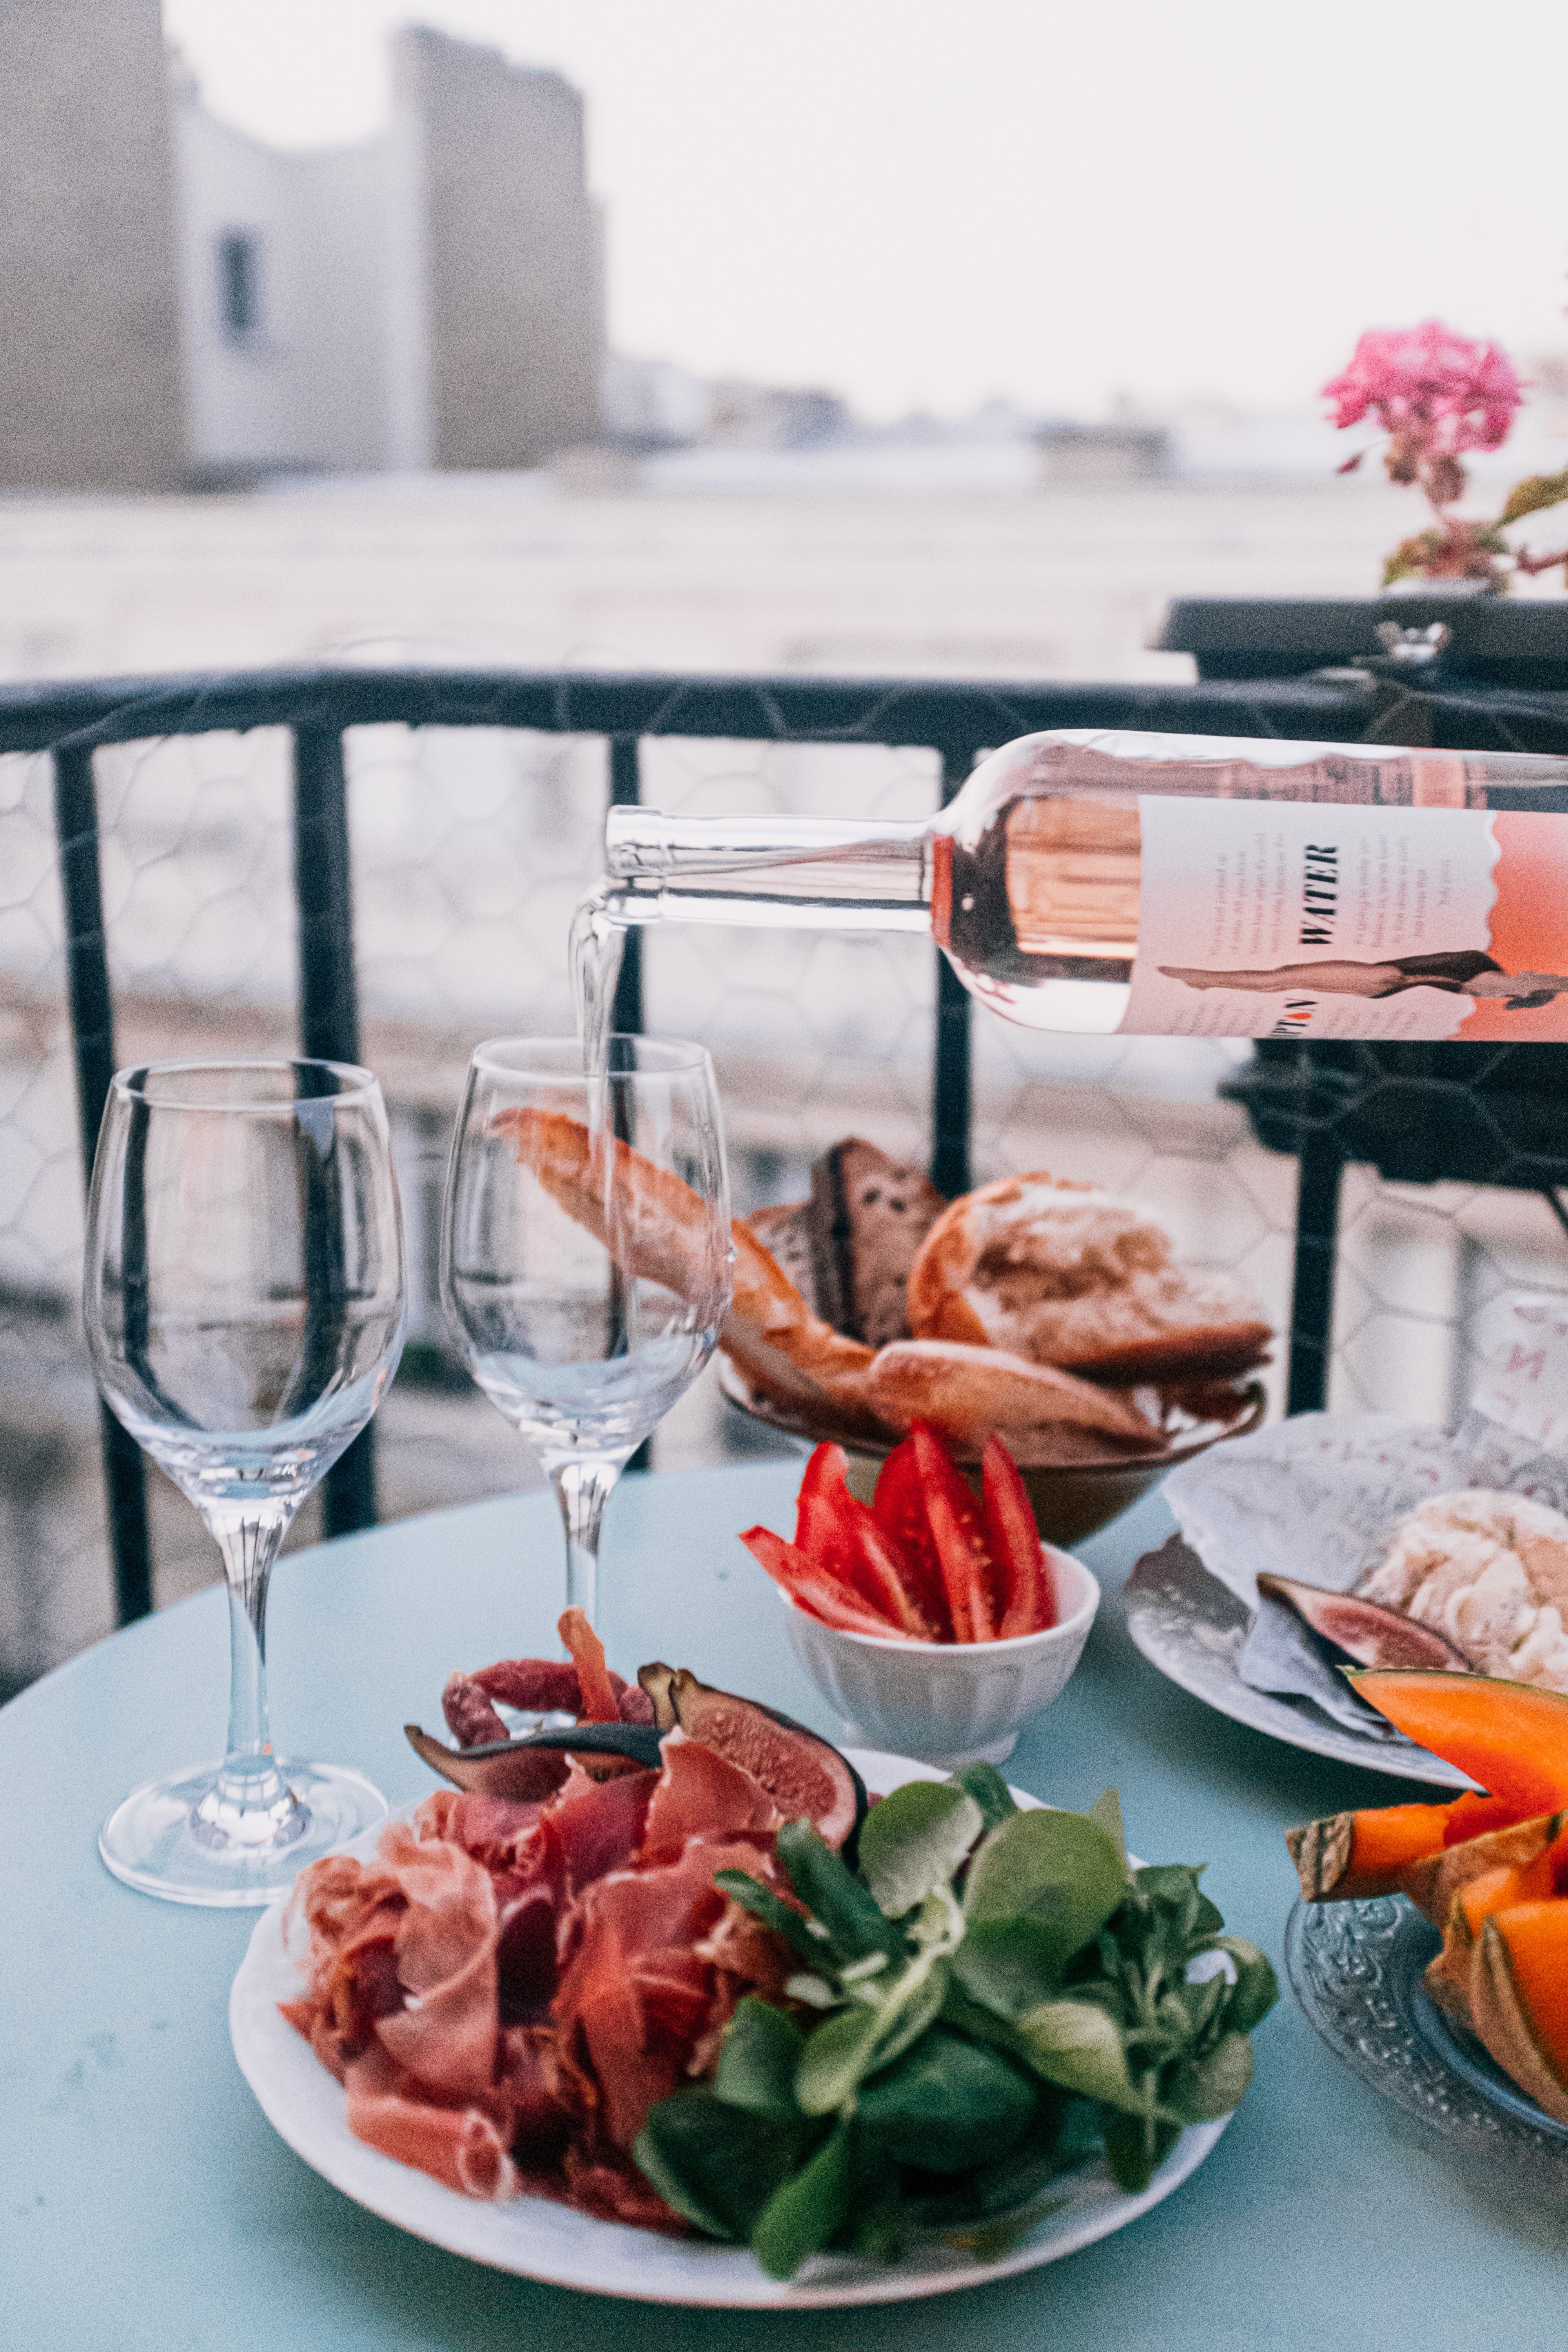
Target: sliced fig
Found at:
655, 1679
533, 1767
1371, 1635
801, 1772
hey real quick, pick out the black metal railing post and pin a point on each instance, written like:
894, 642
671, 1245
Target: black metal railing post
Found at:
329, 1013
951, 1108
1322, 1166
626, 790
93, 1031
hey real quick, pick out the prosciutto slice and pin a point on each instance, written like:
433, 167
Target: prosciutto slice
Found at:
507, 1990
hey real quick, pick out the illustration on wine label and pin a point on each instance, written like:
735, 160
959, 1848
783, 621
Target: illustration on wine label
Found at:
1297, 920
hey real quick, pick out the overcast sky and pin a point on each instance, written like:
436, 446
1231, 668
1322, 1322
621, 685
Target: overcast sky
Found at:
923, 202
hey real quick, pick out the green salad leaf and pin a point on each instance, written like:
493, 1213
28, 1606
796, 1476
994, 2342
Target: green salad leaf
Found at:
993, 1999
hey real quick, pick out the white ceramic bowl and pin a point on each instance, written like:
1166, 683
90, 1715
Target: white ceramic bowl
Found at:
948, 1703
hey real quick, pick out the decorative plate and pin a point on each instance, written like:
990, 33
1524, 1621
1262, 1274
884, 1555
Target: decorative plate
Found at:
1191, 1627
1356, 1968
540, 2240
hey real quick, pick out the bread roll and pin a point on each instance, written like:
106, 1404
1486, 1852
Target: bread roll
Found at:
1068, 1275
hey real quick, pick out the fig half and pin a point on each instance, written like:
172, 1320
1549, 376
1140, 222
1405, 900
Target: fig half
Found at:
801, 1772
1371, 1635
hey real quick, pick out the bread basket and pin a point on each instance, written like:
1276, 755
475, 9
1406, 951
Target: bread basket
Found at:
1071, 1499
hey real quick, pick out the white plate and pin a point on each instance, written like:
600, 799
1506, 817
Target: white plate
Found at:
1191, 1627
539, 2239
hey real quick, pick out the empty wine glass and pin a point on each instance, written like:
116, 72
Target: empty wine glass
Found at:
244, 1299
586, 1263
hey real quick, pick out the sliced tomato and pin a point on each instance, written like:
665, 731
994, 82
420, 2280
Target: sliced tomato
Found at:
1023, 1581
837, 1531
817, 1589
900, 1511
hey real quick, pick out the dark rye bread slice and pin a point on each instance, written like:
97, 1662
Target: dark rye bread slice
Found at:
868, 1216
782, 1231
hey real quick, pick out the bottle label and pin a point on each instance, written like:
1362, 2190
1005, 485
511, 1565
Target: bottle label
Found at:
1283, 919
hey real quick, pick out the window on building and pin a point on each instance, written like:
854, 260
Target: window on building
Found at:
239, 284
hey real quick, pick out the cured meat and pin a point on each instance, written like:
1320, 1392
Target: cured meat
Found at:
509, 1987
538, 1686
460, 2145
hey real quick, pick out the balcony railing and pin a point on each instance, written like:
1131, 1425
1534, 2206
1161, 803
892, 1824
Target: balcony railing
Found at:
1492, 1115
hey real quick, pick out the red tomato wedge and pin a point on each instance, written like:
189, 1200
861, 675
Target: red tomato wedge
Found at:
953, 1517
1018, 1559
836, 1532
927, 1561
818, 1592
900, 1511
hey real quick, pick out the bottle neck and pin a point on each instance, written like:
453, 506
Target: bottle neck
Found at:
826, 873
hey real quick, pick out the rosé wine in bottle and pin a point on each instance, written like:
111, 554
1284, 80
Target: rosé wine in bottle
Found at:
1177, 885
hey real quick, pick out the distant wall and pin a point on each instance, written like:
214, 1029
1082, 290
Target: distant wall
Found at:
90, 390
300, 382
513, 298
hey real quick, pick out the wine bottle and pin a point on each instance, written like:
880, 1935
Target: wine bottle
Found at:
1174, 884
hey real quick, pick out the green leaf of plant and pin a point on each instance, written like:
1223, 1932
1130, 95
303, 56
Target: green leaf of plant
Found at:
948, 2105
854, 2042
835, 2058
1076, 2044
1206, 2087
914, 1840
1061, 1869
764, 1904
757, 2060
1536, 490
834, 1896
1107, 1811
803, 2214
1009, 1965
715, 2165
1135, 2148
990, 1791
1256, 1987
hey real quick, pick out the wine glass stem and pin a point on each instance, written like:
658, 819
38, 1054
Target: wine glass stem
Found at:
582, 1489
248, 1540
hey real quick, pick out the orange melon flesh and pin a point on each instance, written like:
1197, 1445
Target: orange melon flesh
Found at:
1536, 1935
1511, 1736
1384, 1842
1501, 1889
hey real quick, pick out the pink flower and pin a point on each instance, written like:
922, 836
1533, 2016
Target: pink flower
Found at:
1437, 392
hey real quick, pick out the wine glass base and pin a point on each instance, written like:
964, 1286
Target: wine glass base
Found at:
159, 1842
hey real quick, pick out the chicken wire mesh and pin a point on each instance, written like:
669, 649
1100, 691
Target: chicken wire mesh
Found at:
471, 849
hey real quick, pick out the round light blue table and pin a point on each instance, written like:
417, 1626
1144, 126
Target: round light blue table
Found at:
147, 2206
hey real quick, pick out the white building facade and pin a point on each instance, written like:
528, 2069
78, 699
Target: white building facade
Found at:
434, 298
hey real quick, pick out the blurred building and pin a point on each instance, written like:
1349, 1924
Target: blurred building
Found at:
184, 303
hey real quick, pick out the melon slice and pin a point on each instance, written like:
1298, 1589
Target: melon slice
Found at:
1511, 1736
1519, 1998
1348, 1856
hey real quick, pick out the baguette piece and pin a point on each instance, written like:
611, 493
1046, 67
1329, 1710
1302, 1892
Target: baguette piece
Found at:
967, 1392
1067, 1273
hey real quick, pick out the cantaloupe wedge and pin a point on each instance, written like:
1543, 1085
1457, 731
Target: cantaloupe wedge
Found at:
1460, 1889
1519, 1998
1511, 1736
1348, 1855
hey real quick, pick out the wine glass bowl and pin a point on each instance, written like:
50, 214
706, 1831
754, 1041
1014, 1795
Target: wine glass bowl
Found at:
585, 1253
243, 1299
